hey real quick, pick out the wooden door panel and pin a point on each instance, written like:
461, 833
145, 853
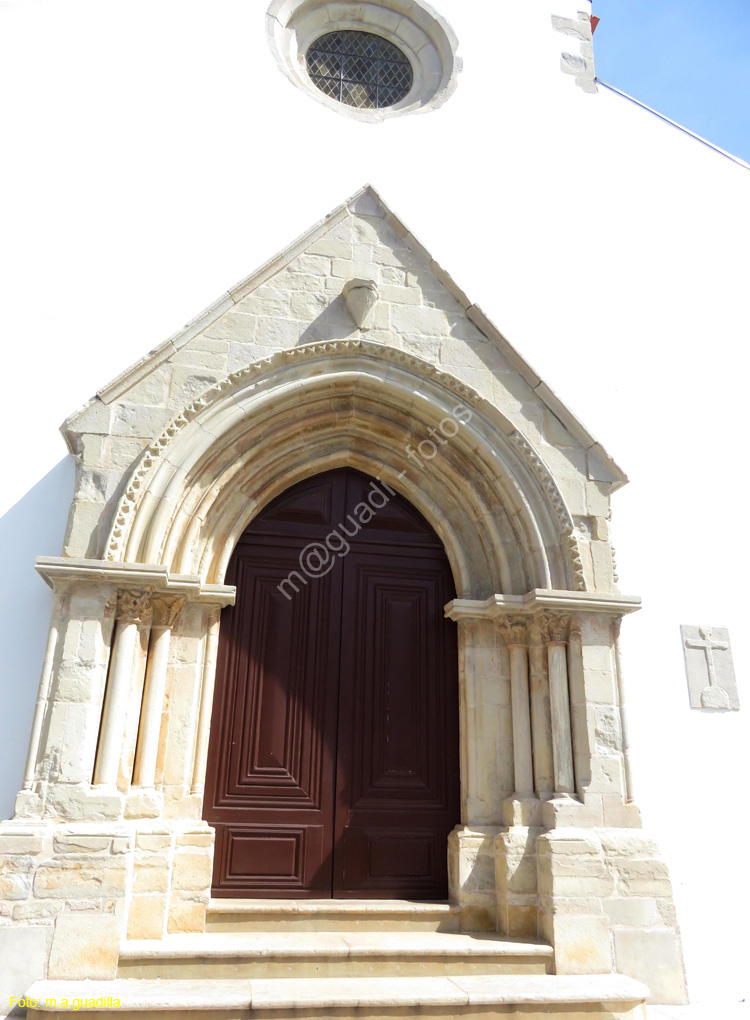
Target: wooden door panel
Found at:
398, 782
333, 758
272, 755
272, 860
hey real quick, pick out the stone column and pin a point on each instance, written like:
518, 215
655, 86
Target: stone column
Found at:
165, 612
133, 609
515, 634
207, 698
29, 774
624, 725
562, 741
523, 807
541, 717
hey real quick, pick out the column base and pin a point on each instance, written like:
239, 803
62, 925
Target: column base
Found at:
471, 875
522, 809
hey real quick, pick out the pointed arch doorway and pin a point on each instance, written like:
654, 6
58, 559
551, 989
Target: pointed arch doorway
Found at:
333, 760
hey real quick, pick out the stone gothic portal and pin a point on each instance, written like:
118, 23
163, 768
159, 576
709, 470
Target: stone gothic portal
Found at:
334, 759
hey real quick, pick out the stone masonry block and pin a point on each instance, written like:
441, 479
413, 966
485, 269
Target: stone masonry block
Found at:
237, 326
85, 946
24, 952
20, 842
419, 321
36, 910
191, 872
153, 878
75, 843
523, 921
186, 916
134, 420
581, 944
652, 957
204, 839
331, 248
625, 845
269, 301
15, 878
146, 917
153, 841
80, 878
633, 912
74, 802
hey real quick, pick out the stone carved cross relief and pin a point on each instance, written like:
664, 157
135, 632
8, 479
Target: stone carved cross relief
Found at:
721, 691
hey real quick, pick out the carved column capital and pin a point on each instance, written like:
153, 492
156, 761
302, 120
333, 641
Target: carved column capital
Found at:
134, 606
514, 631
166, 609
538, 630
556, 625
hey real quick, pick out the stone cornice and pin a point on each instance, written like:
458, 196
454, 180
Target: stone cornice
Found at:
525, 605
153, 577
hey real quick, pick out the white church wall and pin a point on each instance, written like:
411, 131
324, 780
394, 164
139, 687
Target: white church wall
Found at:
160, 156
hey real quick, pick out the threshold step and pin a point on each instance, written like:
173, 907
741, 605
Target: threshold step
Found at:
547, 997
330, 954
330, 915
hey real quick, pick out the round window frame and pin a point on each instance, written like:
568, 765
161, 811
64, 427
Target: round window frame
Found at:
425, 39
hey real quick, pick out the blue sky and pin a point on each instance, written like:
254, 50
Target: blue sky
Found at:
689, 59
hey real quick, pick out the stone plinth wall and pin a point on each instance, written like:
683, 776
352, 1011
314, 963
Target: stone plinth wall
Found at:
606, 904
69, 894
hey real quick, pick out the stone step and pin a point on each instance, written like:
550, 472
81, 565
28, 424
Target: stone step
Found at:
330, 915
531, 997
330, 954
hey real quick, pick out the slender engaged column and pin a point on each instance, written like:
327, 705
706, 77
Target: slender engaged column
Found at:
41, 705
165, 612
207, 698
515, 636
133, 609
578, 715
627, 764
562, 742
541, 718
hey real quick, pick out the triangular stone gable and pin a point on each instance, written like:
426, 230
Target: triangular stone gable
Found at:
297, 299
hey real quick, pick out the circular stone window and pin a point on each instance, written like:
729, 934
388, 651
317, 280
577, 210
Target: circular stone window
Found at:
360, 69
370, 60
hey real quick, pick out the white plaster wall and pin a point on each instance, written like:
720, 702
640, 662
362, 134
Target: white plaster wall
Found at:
157, 156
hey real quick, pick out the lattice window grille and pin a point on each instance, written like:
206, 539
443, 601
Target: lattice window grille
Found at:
360, 69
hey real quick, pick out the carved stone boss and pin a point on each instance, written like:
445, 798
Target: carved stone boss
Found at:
361, 298
710, 670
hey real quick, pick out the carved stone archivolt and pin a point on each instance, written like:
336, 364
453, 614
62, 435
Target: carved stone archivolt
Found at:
493, 438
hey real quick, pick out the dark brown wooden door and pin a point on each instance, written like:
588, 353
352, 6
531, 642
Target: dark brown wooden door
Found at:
333, 760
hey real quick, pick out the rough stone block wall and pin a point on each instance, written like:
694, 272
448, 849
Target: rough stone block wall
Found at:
70, 893
606, 904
